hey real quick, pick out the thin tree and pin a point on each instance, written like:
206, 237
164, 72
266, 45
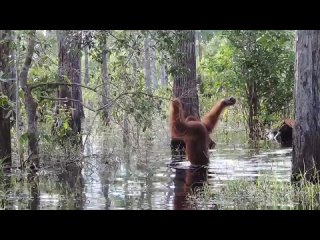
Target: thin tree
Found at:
153, 70
105, 79
29, 102
163, 75
86, 65
147, 67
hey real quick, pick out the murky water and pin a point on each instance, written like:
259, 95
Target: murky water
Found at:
141, 181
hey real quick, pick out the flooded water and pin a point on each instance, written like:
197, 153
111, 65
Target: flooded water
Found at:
141, 179
143, 176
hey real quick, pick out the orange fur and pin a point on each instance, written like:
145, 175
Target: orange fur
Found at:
211, 118
195, 133
174, 135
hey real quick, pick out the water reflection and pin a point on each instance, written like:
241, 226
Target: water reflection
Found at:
126, 179
71, 186
186, 181
7, 186
34, 201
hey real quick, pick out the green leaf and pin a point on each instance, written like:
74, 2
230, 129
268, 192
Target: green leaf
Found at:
23, 138
66, 125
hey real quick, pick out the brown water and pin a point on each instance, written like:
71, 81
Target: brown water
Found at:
140, 179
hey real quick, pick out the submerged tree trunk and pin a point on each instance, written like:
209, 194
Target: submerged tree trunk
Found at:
105, 82
86, 65
30, 103
147, 67
7, 88
69, 71
306, 132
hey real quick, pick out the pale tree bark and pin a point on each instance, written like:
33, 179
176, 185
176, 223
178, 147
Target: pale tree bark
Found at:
153, 69
306, 132
86, 65
199, 52
105, 82
7, 88
29, 102
147, 67
48, 33
163, 75
69, 57
199, 55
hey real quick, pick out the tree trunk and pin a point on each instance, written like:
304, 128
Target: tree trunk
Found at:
5, 137
253, 103
105, 81
30, 103
125, 131
76, 94
163, 75
135, 65
69, 71
185, 83
185, 79
7, 64
306, 132
199, 55
86, 65
132, 84
153, 68
147, 67
48, 33
7, 88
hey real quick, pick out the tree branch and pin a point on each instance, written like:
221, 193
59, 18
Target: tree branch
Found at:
56, 84
106, 105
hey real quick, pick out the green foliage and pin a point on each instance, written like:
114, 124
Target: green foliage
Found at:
61, 129
4, 101
237, 59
